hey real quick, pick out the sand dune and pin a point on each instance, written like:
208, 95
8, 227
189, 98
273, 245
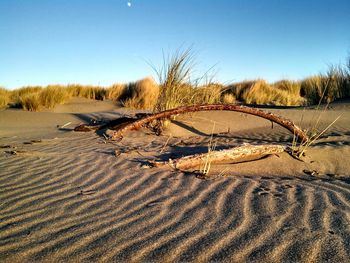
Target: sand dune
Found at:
69, 198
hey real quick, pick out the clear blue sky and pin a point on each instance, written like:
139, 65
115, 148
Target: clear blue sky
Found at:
102, 42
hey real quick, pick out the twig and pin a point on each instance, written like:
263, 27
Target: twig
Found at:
64, 125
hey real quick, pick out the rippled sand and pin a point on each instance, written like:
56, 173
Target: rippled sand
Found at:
69, 197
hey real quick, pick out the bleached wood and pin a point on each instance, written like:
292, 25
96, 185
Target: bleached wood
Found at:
236, 154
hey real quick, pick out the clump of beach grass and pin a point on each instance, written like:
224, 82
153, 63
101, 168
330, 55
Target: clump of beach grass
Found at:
207, 94
177, 87
290, 86
87, 91
328, 87
261, 93
142, 94
15, 94
26, 98
36, 98
4, 97
228, 98
53, 95
115, 91
239, 89
29, 101
174, 79
313, 89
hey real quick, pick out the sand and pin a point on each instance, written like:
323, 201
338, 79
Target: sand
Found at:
66, 196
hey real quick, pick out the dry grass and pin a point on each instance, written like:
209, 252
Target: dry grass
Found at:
206, 165
29, 101
179, 88
207, 94
52, 96
176, 88
292, 87
89, 92
312, 89
325, 88
17, 93
4, 97
174, 79
115, 91
228, 98
142, 94
262, 93
239, 89
26, 98
36, 98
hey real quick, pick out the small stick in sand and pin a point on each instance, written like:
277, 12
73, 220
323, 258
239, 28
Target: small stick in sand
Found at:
65, 125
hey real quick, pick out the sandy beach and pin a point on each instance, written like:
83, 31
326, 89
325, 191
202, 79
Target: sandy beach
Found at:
69, 196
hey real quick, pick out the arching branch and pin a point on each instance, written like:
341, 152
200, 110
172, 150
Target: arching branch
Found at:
137, 124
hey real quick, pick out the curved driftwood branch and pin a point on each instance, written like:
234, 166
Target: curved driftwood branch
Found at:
113, 124
135, 125
237, 154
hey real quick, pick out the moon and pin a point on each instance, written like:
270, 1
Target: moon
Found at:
129, 4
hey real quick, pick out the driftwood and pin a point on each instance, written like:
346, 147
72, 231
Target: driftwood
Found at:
237, 154
137, 124
113, 124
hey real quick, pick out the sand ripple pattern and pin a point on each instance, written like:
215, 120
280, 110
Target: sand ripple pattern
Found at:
74, 200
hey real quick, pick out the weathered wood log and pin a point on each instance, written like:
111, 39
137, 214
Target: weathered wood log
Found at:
135, 125
237, 154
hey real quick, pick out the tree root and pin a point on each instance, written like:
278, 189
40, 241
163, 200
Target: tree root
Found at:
237, 154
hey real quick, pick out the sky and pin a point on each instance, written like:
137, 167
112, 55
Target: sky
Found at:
103, 42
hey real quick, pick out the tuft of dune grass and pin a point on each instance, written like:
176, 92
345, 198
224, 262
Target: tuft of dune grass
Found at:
36, 98
26, 98
292, 87
4, 97
228, 98
142, 94
87, 91
328, 87
17, 93
239, 89
177, 86
312, 88
29, 101
53, 95
337, 83
207, 94
115, 91
284, 93
174, 78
